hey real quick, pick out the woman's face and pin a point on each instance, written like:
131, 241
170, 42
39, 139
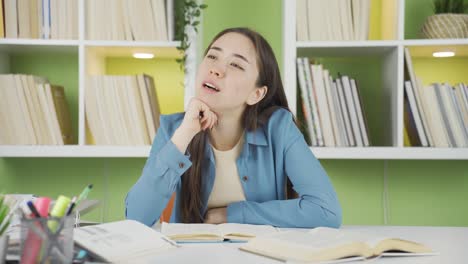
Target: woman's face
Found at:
227, 75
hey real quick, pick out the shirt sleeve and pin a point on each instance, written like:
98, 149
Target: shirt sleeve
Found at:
317, 204
149, 196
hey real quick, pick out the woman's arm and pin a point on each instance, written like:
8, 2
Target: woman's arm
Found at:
166, 163
149, 196
317, 204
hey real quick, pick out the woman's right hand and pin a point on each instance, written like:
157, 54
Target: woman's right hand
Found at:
197, 117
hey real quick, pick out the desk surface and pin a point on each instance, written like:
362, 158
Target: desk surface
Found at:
450, 242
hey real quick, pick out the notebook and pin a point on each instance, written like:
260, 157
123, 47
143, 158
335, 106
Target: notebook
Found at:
228, 232
331, 245
126, 241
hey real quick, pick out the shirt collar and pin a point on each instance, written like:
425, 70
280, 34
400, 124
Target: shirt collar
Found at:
257, 137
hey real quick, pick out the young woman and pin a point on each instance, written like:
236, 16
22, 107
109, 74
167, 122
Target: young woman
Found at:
231, 155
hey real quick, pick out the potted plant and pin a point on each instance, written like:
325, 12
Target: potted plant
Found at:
188, 14
449, 20
4, 223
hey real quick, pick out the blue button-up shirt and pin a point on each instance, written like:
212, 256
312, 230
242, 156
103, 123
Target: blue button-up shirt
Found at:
270, 154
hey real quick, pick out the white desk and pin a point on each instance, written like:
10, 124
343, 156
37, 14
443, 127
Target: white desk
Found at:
450, 242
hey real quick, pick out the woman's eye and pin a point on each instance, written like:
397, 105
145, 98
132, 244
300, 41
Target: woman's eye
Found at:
209, 56
237, 66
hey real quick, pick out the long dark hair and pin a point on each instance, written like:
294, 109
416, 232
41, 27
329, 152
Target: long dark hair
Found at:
254, 116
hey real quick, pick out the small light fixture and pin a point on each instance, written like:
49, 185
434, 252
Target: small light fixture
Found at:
140, 55
443, 54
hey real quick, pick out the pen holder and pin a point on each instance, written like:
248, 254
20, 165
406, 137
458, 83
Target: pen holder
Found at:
47, 240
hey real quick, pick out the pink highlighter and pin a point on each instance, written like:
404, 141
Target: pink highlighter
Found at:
32, 246
42, 205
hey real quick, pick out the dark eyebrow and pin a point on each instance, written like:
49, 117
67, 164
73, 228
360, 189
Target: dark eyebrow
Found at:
235, 54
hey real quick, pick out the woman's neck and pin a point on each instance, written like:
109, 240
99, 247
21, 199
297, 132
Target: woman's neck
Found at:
227, 133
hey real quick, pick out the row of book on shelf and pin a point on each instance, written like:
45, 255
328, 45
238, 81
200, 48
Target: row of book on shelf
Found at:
34, 19
332, 108
122, 110
128, 20
436, 115
33, 112
332, 19
105, 19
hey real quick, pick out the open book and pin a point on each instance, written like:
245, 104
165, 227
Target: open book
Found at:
214, 233
125, 241
329, 244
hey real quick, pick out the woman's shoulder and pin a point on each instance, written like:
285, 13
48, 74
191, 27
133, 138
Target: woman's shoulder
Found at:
281, 126
280, 117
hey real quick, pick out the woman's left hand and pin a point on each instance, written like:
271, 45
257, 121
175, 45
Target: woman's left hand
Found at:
216, 216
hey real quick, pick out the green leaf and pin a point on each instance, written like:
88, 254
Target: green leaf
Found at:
191, 11
3, 212
4, 228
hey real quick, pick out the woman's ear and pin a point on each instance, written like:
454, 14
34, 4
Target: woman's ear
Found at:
257, 95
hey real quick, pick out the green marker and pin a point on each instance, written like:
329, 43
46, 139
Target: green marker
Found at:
84, 193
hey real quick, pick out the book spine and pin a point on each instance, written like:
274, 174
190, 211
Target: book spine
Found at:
443, 110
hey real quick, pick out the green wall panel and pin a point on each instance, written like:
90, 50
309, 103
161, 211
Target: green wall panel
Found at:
430, 193
263, 16
359, 190
416, 12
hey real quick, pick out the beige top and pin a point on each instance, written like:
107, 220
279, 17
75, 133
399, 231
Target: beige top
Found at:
227, 187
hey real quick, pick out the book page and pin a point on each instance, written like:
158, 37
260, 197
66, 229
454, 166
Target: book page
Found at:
321, 237
121, 240
319, 244
176, 231
230, 230
343, 260
398, 247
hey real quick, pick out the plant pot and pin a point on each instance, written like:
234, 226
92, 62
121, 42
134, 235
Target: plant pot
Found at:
445, 26
3, 248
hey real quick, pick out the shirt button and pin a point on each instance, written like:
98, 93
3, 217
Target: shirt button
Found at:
245, 178
181, 165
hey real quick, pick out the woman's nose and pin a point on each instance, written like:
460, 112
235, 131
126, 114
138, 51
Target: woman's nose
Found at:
217, 72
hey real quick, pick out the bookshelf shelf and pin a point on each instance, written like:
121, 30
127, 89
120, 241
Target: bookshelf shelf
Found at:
38, 42
387, 153
21, 46
381, 43
434, 42
74, 151
339, 51
109, 43
345, 44
392, 153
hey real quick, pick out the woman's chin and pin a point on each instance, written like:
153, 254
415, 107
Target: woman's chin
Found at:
207, 99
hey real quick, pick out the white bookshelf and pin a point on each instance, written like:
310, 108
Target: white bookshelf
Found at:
391, 52
91, 55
